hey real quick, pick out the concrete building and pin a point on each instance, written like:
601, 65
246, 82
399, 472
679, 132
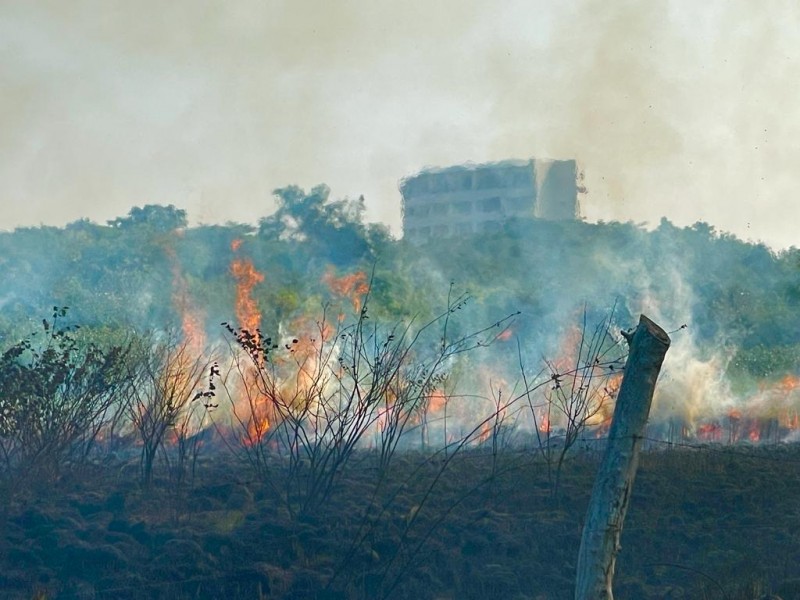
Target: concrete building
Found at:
479, 198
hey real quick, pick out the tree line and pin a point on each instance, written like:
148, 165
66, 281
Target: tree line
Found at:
130, 272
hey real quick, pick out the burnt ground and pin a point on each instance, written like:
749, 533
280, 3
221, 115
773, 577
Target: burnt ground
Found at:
708, 523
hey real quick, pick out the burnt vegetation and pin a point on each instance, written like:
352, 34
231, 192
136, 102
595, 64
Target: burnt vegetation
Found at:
360, 427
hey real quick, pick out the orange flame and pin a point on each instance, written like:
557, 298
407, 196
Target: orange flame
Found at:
191, 317
544, 423
793, 421
249, 318
485, 432
604, 404
754, 434
711, 432
352, 287
305, 351
789, 383
505, 335
247, 277
567, 355
259, 421
436, 401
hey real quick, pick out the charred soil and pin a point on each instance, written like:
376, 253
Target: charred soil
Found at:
718, 522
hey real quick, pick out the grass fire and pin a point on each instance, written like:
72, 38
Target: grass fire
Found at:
313, 409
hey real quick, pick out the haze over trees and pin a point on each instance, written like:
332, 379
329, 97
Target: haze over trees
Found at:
128, 272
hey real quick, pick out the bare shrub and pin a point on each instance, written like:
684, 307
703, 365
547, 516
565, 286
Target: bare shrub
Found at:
165, 381
59, 397
301, 407
580, 394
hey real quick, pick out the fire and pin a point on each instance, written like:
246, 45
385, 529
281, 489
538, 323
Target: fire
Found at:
710, 432
544, 423
485, 432
249, 319
791, 419
305, 350
191, 317
604, 403
260, 420
352, 287
789, 383
505, 335
437, 401
247, 277
567, 356
755, 433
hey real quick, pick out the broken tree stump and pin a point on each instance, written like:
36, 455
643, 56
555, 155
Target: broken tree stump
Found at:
612, 487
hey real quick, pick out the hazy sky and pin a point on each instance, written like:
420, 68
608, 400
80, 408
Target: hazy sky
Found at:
676, 108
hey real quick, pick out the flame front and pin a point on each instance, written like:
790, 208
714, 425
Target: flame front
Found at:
248, 316
247, 277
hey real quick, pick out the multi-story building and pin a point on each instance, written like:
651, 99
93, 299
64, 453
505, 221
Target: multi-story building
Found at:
477, 198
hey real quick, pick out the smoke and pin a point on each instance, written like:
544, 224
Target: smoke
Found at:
673, 108
693, 385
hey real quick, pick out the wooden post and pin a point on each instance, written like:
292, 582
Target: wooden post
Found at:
612, 487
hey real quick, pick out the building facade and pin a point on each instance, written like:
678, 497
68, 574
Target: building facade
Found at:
469, 199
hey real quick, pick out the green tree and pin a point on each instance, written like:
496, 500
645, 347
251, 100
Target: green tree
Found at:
154, 216
328, 228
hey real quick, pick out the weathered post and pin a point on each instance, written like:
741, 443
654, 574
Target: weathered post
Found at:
612, 487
